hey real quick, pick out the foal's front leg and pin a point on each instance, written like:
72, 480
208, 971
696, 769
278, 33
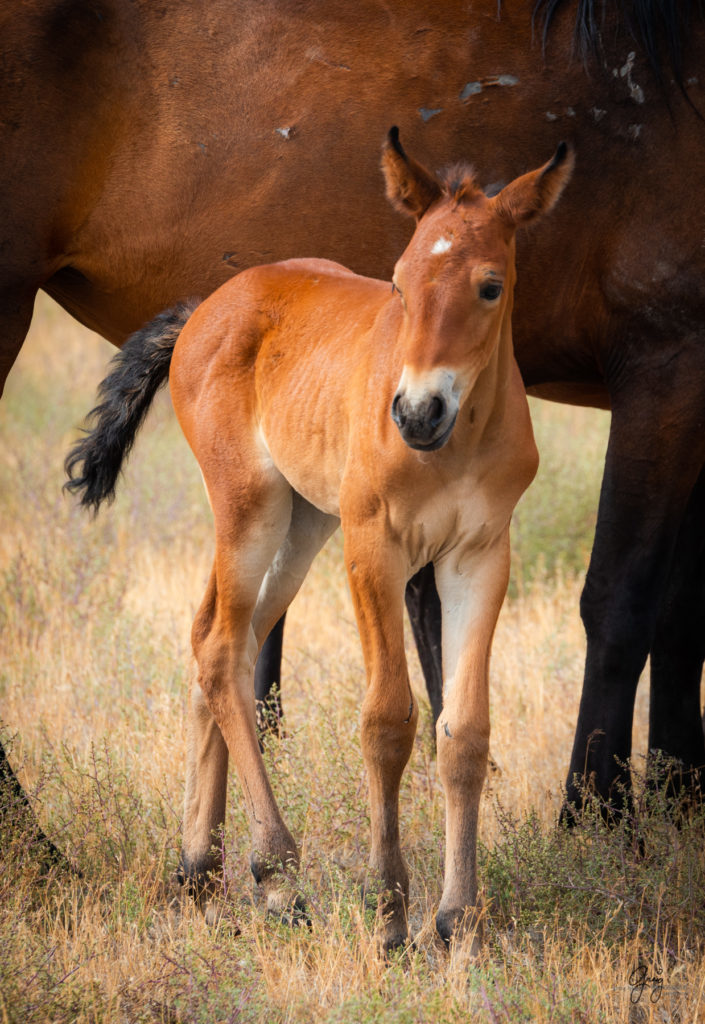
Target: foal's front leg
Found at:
389, 716
472, 588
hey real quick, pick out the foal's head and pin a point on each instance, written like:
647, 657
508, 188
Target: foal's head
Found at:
455, 281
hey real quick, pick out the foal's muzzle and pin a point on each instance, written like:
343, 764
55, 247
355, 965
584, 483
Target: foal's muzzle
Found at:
424, 424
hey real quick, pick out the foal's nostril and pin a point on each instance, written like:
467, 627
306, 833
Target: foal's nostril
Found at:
397, 414
436, 411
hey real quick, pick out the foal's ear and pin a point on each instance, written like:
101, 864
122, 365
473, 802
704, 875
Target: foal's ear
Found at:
410, 187
527, 198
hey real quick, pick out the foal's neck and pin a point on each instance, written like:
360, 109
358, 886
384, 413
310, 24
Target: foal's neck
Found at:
488, 398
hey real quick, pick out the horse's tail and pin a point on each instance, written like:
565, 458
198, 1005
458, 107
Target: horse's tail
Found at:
137, 372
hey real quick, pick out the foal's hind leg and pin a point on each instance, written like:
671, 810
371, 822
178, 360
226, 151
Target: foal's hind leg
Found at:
307, 531
206, 774
389, 712
252, 515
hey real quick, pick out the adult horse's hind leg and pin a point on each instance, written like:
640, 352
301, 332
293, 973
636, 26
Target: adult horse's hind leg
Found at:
389, 712
16, 304
424, 608
678, 651
16, 812
268, 678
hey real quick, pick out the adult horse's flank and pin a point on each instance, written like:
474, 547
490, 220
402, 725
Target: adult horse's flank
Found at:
312, 397
149, 153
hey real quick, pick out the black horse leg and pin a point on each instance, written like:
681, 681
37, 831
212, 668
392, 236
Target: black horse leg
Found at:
268, 674
678, 652
424, 608
655, 453
16, 814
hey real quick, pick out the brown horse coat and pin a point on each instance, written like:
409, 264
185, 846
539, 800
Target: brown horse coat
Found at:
148, 154
311, 397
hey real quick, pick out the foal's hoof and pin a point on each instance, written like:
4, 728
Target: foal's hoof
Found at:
204, 893
289, 909
218, 913
393, 941
456, 925
392, 929
285, 903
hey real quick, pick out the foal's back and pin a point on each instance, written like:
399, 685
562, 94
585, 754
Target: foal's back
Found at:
297, 352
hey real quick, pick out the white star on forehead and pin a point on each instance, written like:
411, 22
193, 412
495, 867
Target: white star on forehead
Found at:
442, 245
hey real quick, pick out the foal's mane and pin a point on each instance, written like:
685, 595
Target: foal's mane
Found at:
459, 183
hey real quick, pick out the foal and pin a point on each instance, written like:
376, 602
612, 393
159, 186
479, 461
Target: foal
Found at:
312, 397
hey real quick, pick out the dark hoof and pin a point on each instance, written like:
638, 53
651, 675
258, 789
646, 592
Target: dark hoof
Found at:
293, 913
445, 926
453, 925
395, 945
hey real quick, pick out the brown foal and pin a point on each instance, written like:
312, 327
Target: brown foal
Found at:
310, 397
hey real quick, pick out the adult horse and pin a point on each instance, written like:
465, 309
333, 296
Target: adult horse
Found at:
148, 152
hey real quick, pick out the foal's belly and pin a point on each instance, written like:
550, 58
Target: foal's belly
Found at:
310, 457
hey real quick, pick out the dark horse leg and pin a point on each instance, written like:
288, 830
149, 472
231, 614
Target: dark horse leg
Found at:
268, 675
16, 813
654, 458
16, 303
678, 652
424, 608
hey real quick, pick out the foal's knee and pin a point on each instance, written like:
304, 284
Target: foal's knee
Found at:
387, 734
463, 750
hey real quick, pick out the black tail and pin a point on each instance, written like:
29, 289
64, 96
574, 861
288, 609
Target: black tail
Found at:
137, 372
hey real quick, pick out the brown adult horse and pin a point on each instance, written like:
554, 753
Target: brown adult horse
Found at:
286, 382
149, 152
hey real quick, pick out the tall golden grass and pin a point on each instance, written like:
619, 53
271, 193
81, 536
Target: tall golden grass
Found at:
94, 666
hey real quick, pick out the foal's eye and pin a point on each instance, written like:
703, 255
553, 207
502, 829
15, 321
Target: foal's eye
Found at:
490, 291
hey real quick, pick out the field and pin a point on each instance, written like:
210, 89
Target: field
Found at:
94, 665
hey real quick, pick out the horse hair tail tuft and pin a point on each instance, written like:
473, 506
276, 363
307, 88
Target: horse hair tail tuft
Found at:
137, 372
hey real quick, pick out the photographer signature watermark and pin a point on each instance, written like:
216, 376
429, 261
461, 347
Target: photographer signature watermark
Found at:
640, 981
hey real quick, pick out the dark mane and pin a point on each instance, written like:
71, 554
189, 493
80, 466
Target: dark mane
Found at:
459, 182
659, 27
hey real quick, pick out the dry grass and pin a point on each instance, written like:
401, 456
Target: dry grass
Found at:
94, 626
